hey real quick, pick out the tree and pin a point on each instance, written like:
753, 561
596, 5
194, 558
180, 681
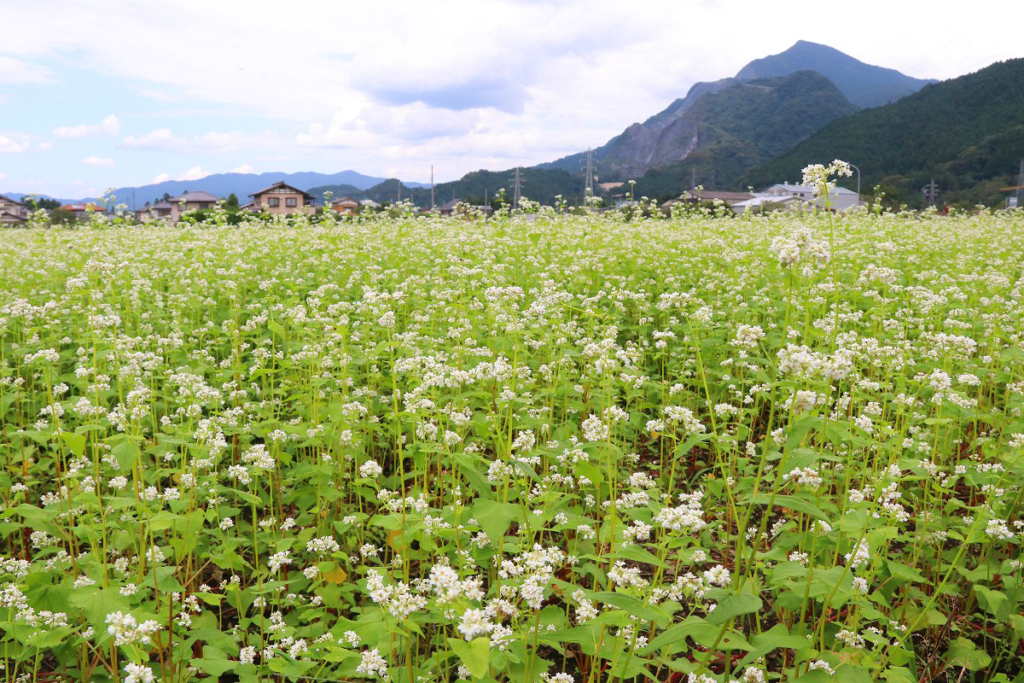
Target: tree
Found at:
61, 217
36, 203
231, 204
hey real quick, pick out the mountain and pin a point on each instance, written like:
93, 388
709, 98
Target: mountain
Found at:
862, 84
733, 130
727, 132
966, 133
337, 191
241, 184
478, 187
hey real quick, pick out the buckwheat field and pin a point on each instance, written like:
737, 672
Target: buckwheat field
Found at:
543, 447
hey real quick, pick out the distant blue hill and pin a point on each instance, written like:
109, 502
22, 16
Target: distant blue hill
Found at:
243, 184
223, 184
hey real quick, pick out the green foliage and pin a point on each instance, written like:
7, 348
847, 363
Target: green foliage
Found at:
745, 125
36, 203
598, 445
966, 133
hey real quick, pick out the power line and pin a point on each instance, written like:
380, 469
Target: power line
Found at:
588, 188
1020, 186
931, 194
517, 189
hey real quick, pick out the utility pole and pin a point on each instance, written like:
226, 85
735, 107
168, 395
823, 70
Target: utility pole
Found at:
399, 191
1020, 186
931, 194
431, 187
693, 178
588, 187
517, 189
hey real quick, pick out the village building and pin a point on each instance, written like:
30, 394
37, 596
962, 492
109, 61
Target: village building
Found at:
281, 198
81, 211
12, 212
173, 208
765, 202
459, 206
840, 198
346, 206
696, 196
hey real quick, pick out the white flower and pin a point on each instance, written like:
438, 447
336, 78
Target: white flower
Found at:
138, 674
370, 470
718, 576
373, 664
594, 429
474, 623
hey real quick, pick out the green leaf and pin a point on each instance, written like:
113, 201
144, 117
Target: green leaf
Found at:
691, 627
277, 329
75, 442
97, 603
635, 553
791, 502
994, 602
475, 655
214, 662
471, 468
632, 605
899, 674
494, 518
734, 605
963, 652
907, 573
773, 639
127, 453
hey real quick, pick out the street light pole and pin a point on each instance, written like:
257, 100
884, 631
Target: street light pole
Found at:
858, 182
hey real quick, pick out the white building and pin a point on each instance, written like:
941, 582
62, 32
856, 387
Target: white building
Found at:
841, 198
771, 202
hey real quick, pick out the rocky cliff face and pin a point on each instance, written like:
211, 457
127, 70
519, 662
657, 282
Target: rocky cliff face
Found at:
753, 120
648, 145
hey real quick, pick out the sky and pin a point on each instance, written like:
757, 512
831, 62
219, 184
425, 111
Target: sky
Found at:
96, 94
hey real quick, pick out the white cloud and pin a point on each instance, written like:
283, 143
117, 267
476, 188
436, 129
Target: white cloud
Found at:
244, 168
14, 144
14, 71
2, 176
158, 95
164, 139
109, 127
194, 173
161, 138
44, 145
98, 161
485, 83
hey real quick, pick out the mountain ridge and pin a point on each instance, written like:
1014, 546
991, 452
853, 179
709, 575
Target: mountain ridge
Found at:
224, 184
966, 133
865, 85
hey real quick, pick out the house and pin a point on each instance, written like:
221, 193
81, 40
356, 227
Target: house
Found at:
162, 210
346, 206
840, 198
448, 208
459, 207
369, 204
282, 198
697, 196
81, 211
771, 202
171, 209
12, 212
